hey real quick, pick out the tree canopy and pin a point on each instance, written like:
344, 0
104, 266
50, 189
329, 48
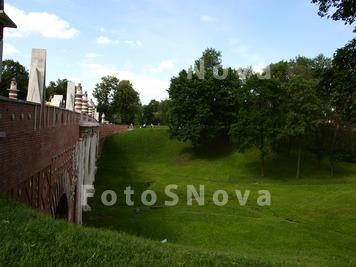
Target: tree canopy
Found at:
126, 102
13, 69
58, 87
344, 10
258, 117
117, 100
202, 108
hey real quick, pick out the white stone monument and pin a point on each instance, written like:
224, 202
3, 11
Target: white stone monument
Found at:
57, 100
70, 95
85, 103
91, 108
96, 114
78, 99
37, 81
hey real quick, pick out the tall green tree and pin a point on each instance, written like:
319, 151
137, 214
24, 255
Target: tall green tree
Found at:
58, 87
13, 69
103, 94
202, 108
258, 119
339, 95
302, 114
126, 102
163, 114
149, 112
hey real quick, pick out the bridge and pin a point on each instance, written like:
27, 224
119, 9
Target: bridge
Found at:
48, 153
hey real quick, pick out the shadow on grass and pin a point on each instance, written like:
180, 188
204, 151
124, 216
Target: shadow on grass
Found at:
119, 168
116, 172
283, 168
212, 152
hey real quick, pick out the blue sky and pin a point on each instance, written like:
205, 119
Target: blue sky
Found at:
149, 41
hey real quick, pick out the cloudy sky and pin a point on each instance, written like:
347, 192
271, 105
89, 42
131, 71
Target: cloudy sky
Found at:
149, 41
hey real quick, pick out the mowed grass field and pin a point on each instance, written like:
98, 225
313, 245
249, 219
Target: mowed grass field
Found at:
312, 220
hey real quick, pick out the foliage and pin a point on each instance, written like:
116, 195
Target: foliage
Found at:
156, 112
149, 112
103, 94
58, 87
302, 109
202, 109
163, 113
259, 116
13, 69
126, 102
117, 100
337, 91
339, 84
342, 10
303, 113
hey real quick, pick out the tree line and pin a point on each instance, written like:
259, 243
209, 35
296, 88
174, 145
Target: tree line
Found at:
121, 104
307, 104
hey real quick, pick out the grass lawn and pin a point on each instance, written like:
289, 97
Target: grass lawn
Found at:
312, 221
29, 238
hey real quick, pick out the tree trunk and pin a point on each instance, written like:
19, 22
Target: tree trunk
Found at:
289, 149
319, 162
262, 155
332, 151
299, 159
332, 167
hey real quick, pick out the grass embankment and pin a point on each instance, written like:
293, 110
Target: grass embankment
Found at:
28, 238
311, 221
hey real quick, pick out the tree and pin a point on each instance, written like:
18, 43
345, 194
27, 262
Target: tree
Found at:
258, 117
342, 10
149, 112
13, 69
163, 114
338, 93
126, 102
103, 95
302, 113
58, 87
202, 108
310, 69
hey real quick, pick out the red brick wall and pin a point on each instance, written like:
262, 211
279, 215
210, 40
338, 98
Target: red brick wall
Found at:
37, 150
109, 129
34, 138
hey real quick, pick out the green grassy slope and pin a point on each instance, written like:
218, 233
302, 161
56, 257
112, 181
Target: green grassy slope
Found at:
312, 220
28, 238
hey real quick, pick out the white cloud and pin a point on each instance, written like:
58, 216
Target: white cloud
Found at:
91, 55
137, 43
9, 49
164, 65
148, 87
207, 18
103, 40
46, 24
